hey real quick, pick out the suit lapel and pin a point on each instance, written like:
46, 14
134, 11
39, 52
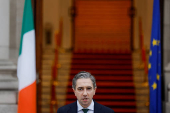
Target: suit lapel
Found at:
97, 107
73, 108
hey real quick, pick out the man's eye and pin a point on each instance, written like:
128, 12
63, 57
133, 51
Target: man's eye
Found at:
80, 89
89, 88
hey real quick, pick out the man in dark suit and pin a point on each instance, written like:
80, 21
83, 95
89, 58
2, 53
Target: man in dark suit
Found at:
84, 87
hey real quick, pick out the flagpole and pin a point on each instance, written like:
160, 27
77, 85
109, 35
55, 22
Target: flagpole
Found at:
162, 35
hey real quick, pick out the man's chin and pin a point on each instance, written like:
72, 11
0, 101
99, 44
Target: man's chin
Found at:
85, 104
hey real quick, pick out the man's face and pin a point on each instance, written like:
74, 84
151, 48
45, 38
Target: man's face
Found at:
84, 91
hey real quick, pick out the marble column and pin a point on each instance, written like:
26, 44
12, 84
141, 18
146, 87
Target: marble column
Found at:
8, 78
166, 54
4, 32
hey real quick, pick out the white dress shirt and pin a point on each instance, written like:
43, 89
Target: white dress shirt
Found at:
91, 108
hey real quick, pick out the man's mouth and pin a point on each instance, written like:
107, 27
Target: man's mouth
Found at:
85, 99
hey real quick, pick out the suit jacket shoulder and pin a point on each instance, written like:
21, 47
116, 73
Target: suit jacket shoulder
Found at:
70, 108
98, 108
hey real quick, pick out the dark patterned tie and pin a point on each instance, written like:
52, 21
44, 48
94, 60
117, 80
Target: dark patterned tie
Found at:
85, 110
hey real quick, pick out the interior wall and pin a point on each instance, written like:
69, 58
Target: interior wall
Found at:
53, 11
67, 27
144, 10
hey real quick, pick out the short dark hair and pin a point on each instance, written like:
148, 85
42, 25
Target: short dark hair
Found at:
83, 74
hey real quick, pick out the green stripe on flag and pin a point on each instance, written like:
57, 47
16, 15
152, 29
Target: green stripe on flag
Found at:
27, 22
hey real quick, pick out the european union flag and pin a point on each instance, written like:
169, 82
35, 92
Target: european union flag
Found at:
155, 61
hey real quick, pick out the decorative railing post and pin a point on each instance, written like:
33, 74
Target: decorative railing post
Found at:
55, 66
143, 51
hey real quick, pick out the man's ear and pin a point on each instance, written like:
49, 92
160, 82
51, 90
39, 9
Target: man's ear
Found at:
95, 90
74, 91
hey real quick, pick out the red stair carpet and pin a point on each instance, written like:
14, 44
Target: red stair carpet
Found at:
114, 78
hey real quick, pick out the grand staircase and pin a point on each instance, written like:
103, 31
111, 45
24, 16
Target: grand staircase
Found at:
114, 76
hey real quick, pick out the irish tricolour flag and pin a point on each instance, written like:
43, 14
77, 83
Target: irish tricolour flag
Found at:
26, 63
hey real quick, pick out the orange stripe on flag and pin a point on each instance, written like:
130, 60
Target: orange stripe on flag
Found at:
27, 99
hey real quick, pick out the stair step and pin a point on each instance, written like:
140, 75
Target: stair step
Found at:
118, 91
116, 103
116, 53
108, 67
65, 78
8, 108
104, 72
8, 97
99, 62
110, 97
61, 97
61, 90
8, 85
112, 84
8, 77
101, 84
113, 78
48, 51
101, 56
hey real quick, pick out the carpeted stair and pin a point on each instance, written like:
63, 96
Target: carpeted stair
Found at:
114, 76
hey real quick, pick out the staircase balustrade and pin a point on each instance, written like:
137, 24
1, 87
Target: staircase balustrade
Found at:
143, 52
54, 82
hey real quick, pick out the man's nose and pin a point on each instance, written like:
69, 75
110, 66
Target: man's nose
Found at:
85, 92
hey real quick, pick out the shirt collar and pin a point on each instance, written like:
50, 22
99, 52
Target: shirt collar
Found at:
91, 107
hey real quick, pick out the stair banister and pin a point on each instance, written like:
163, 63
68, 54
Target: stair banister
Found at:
55, 66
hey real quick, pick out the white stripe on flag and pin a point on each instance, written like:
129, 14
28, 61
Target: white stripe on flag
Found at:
26, 61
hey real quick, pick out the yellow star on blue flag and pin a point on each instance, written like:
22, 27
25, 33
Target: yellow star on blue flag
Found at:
154, 86
155, 42
150, 53
155, 62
